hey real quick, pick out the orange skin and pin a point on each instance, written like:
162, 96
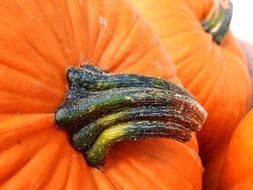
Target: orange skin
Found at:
39, 39
238, 165
215, 161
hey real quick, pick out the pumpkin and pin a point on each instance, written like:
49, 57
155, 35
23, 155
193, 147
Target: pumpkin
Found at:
238, 164
40, 41
209, 60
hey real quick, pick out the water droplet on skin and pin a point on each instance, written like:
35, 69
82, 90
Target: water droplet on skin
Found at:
104, 24
102, 21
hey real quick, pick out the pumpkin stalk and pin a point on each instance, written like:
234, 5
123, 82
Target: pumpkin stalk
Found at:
101, 109
132, 131
83, 138
218, 21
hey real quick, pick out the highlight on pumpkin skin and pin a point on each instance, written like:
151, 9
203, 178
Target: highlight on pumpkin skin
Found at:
101, 109
218, 21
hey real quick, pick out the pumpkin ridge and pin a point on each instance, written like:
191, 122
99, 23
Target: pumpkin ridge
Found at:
79, 169
13, 142
200, 74
176, 170
60, 167
49, 24
129, 64
127, 159
106, 183
96, 26
193, 30
103, 28
164, 164
63, 23
102, 32
77, 27
32, 78
7, 128
123, 41
9, 63
40, 53
123, 177
208, 100
183, 67
8, 175
67, 28
201, 44
215, 82
16, 176
164, 160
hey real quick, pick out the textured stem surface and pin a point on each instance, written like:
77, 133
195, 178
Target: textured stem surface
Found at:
101, 109
218, 21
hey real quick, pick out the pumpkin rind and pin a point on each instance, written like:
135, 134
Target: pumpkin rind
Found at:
39, 39
238, 164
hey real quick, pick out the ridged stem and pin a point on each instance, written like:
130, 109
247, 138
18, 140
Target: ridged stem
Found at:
101, 109
83, 138
132, 131
218, 21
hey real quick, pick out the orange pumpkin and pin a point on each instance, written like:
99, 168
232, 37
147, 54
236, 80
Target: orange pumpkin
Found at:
39, 39
238, 164
215, 72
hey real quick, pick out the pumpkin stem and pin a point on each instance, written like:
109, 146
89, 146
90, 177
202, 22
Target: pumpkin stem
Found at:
218, 21
101, 109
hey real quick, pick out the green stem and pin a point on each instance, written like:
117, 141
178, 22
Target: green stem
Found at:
83, 138
82, 111
101, 109
89, 79
218, 21
96, 155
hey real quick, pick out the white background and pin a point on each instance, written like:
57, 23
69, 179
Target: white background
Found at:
242, 20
